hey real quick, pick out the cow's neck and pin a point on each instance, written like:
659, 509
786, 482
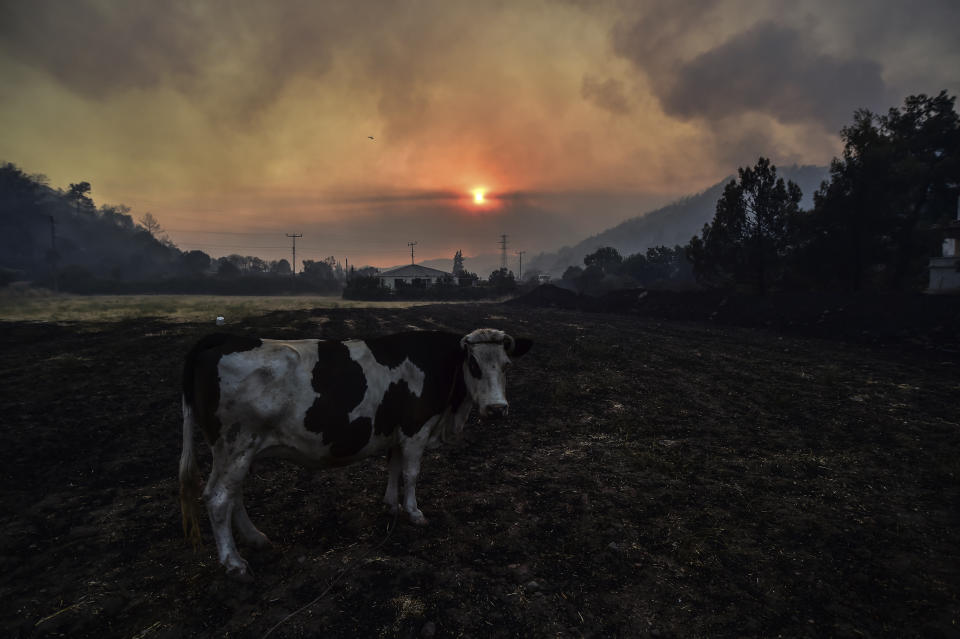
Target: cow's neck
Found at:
458, 407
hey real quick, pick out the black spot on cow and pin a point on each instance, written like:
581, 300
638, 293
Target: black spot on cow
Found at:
459, 392
401, 408
436, 353
392, 350
340, 385
428, 350
201, 379
474, 368
351, 440
439, 356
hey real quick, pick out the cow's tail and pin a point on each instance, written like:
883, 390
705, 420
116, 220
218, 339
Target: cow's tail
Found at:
191, 485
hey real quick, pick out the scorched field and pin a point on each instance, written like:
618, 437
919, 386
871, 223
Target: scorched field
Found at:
653, 478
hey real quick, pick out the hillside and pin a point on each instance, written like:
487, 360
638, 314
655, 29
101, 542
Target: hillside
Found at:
41, 226
670, 225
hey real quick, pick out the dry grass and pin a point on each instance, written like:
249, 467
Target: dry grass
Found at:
176, 308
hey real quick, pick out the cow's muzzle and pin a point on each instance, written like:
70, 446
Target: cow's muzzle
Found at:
492, 411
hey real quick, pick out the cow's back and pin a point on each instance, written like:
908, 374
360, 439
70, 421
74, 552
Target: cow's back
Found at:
353, 395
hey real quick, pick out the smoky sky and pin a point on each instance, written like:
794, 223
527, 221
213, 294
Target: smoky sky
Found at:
771, 69
184, 108
231, 58
247, 51
801, 64
607, 94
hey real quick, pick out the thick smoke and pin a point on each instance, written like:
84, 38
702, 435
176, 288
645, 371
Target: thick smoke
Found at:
607, 94
767, 74
774, 70
233, 58
769, 68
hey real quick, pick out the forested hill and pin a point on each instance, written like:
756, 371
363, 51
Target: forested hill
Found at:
670, 225
41, 227
59, 239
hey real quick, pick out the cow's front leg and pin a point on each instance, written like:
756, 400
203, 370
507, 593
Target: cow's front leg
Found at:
391, 498
412, 454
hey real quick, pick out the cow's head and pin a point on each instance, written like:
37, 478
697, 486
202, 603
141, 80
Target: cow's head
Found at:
487, 354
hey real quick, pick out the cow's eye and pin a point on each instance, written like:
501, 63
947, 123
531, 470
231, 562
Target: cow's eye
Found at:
475, 367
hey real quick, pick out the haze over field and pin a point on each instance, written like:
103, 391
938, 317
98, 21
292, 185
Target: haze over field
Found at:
366, 125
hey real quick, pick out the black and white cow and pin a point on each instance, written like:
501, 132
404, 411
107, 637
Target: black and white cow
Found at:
328, 403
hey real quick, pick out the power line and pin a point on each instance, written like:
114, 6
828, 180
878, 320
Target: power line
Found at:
260, 233
237, 246
520, 276
266, 233
303, 247
411, 245
294, 265
53, 254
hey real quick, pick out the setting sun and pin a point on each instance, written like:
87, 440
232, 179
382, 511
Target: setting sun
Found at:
478, 196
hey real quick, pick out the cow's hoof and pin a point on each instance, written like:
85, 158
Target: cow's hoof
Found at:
417, 518
258, 540
240, 571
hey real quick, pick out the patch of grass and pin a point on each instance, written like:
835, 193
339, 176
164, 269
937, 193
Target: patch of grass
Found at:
177, 308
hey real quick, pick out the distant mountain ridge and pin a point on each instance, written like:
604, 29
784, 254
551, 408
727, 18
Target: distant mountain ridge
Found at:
669, 225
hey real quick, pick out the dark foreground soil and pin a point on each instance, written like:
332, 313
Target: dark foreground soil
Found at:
654, 478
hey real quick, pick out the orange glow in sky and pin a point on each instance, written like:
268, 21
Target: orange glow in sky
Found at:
362, 133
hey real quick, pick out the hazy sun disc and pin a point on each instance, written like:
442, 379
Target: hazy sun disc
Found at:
478, 196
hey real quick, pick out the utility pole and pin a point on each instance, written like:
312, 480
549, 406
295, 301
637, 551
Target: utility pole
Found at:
411, 245
53, 254
520, 276
293, 267
503, 252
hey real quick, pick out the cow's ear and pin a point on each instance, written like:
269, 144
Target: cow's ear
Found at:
463, 344
520, 346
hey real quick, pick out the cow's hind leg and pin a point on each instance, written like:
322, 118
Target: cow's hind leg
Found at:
391, 498
244, 527
410, 468
223, 488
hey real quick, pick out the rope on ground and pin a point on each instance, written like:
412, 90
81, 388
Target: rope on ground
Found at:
343, 572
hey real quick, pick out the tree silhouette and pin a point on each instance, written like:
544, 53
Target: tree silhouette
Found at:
78, 195
660, 263
317, 270
749, 237
280, 267
150, 223
502, 280
607, 259
195, 262
898, 176
226, 268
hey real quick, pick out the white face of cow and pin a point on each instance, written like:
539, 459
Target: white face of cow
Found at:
488, 353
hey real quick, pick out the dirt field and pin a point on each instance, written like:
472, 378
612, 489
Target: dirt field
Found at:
654, 478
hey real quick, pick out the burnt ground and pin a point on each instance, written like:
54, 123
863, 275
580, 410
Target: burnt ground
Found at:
654, 478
